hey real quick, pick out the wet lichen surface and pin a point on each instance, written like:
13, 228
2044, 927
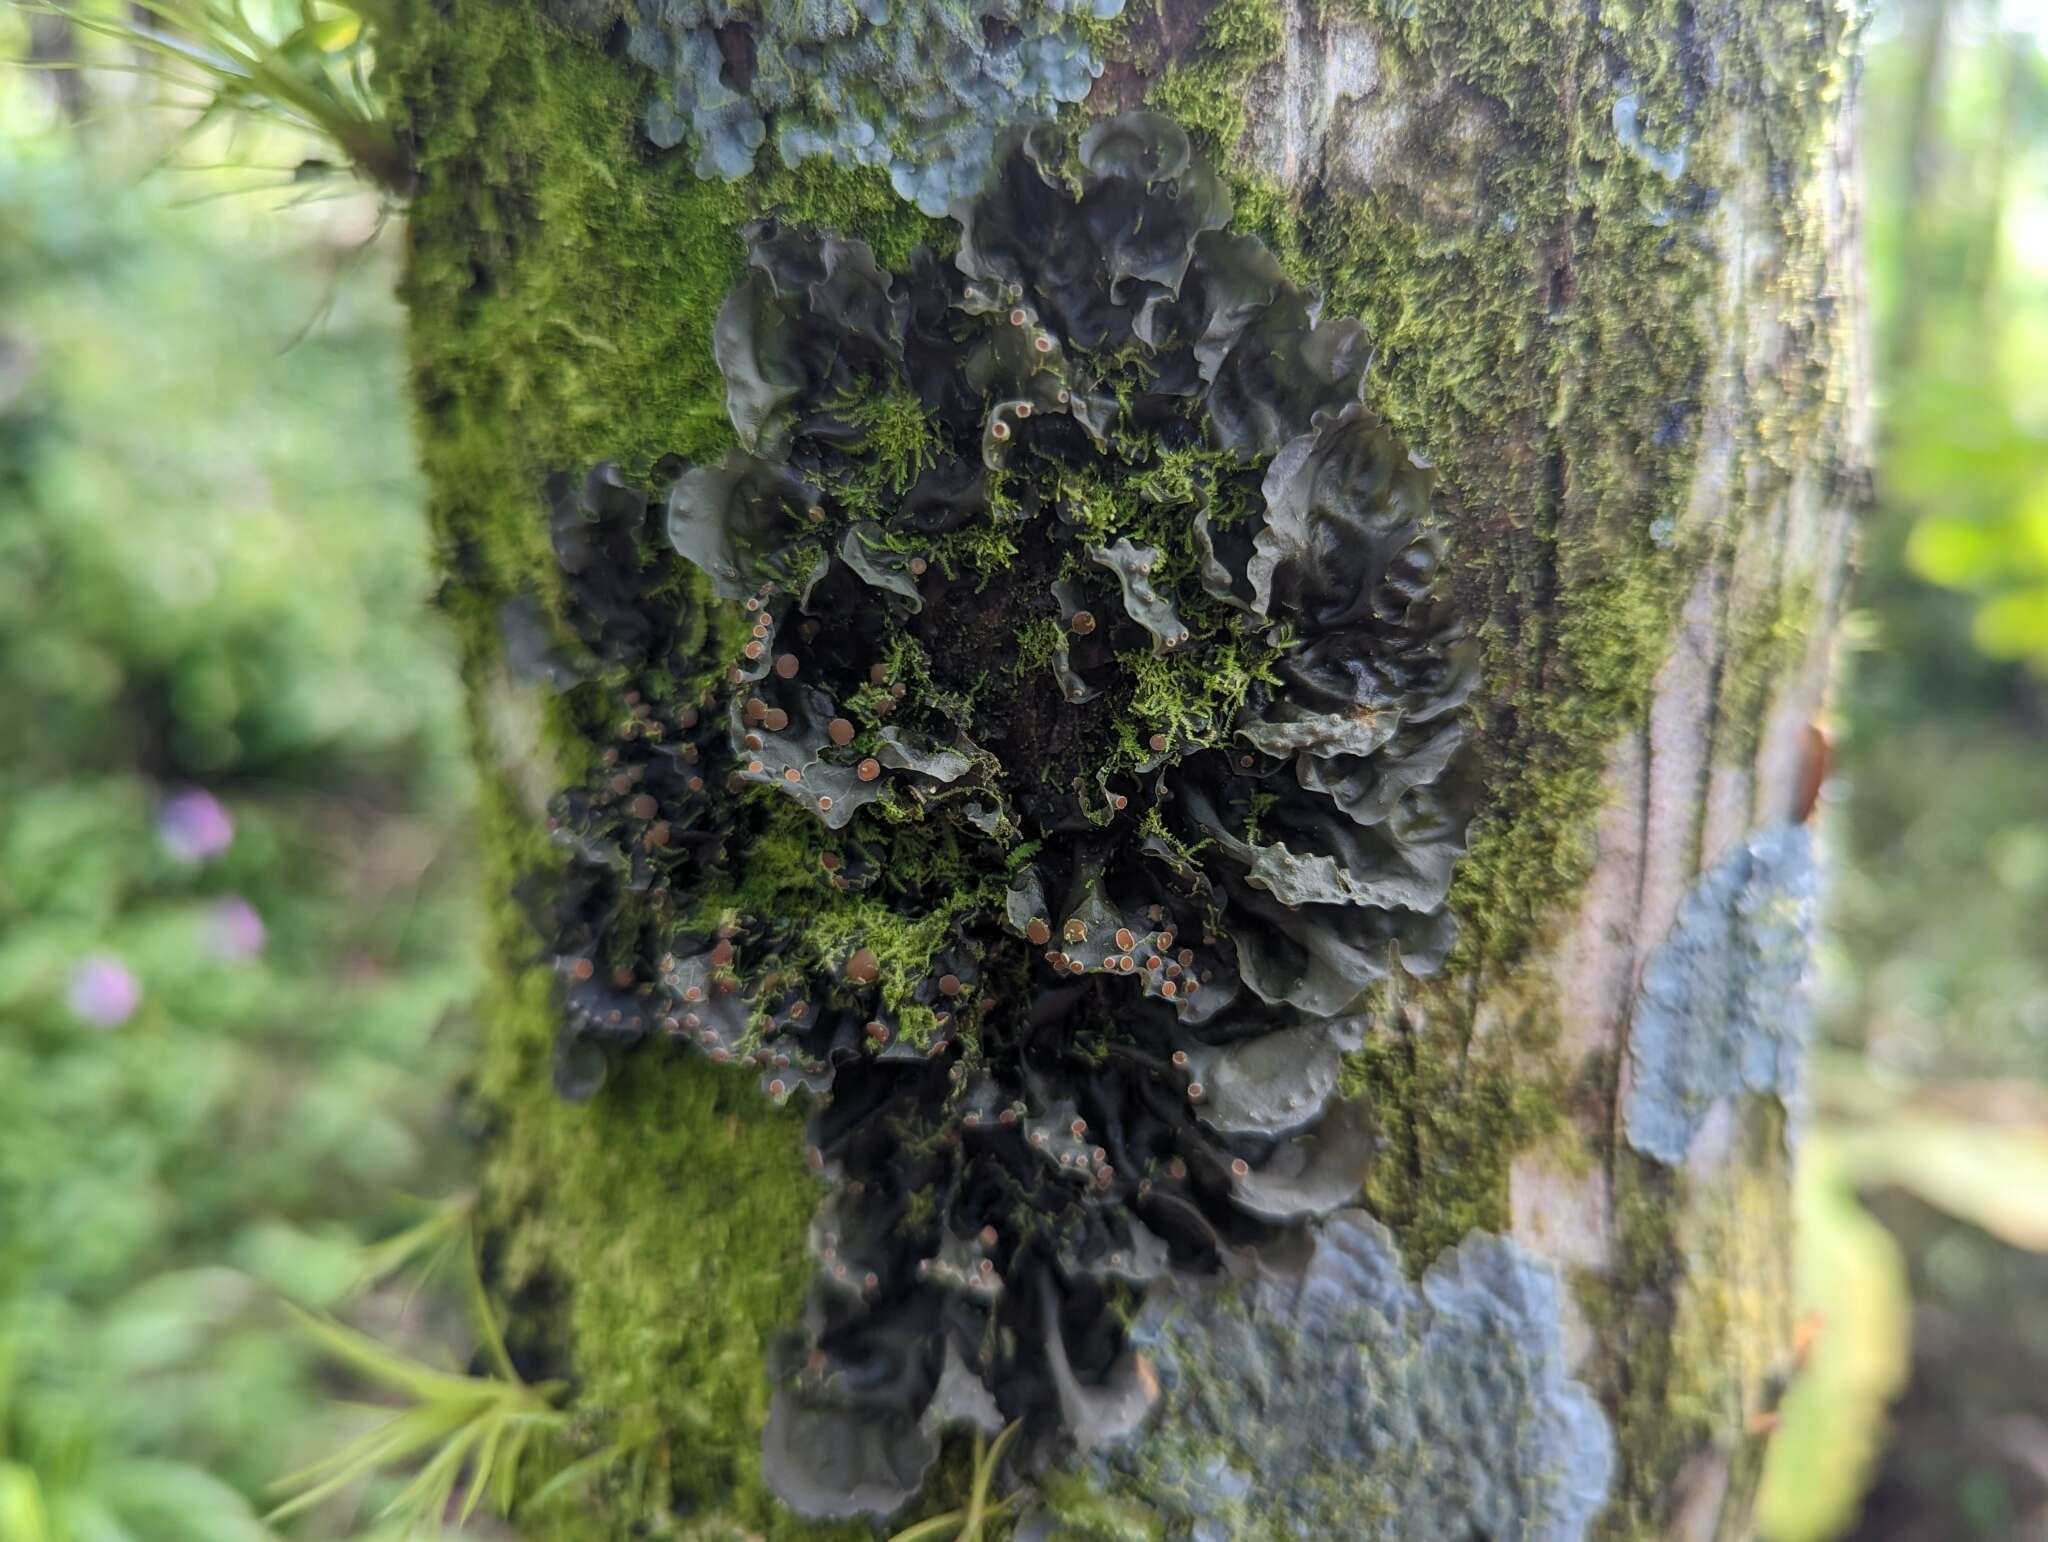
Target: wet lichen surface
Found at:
1089, 644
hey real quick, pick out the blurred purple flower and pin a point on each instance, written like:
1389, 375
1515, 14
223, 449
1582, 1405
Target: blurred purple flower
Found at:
103, 993
237, 930
194, 825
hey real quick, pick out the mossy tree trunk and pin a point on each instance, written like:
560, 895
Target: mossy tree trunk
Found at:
1605, 258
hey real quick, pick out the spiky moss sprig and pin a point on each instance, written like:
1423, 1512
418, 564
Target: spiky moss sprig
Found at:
1073, 989
307, 67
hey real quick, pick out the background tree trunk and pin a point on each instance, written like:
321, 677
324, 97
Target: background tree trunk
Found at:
1606, 258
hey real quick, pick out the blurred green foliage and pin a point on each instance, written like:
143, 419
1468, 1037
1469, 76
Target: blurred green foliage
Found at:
302, 64
1959, 150
1938, 948
1976, 1158
1941, 905
213, 575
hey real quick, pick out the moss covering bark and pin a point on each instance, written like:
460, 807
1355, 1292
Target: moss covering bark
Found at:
1541, 293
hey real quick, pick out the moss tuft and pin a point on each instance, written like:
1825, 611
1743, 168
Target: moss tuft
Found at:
1205, 90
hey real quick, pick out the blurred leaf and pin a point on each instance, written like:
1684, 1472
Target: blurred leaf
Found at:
336, 33
178, 1502
166, 1319
2014, 625
1994, 1177
1958, 552
1852, 1276
81, 1517
22, 1518
314, 1268
1852, 1279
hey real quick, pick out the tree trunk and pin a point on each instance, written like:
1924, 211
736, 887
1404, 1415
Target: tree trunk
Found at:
1481, 1228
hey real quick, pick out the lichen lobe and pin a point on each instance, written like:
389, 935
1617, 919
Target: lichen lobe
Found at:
1324, 1394
1726, 998
914, 86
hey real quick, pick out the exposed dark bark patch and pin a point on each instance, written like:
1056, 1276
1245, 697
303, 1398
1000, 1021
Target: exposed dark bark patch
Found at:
736, 55
1157, 34
970, 629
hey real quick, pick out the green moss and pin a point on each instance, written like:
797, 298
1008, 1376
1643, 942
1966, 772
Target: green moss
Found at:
1639, 1363
647, 1243
663, 1221
1510, 54
896, 443
904, 946
1038, 643
986, 551
1086, 1514
579, 272
563, 285
1190, 695
1451, 1117
1205, 92
1763, 648
1695, 1371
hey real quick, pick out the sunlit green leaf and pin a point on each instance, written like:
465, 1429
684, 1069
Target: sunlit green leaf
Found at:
335, 33
22, 1517
1960, 553
2014, 625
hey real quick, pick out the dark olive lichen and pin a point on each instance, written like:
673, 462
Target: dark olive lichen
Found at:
1093, 663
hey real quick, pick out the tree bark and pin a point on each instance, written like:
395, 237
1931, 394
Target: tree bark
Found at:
1605, 258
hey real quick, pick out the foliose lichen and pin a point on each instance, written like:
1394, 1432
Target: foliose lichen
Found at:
1727, 997
1089, 748
916, 86
1325, 1394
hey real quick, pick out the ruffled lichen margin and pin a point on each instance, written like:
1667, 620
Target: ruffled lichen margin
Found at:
1535, 301
1095, 643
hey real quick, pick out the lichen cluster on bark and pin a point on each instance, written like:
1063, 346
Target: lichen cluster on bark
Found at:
1096, 652
1602, 264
